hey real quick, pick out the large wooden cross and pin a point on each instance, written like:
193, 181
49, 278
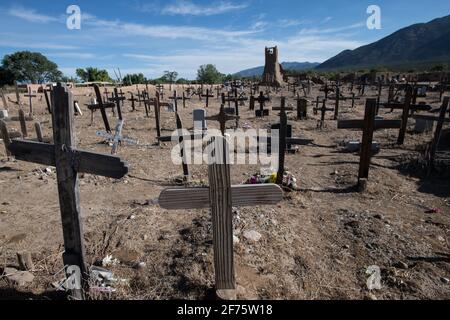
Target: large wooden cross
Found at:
69, 161
368, 126
220, 197
102, 107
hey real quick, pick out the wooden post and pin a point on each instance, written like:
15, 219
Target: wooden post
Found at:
222, 221
69, 194
5, 103
157, 116
367, 139
282, 144
37, 127
16, 87
5, 136
406, 106
101, 107
25, 261
182, 147
302, 108
437, 135
336, 107
23, 124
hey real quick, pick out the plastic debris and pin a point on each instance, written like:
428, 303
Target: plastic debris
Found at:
289, 179
109, 261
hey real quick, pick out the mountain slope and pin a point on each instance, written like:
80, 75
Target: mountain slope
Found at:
296, 66
423, 42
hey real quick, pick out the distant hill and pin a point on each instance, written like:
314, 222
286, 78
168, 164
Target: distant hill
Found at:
421, 44
295, 66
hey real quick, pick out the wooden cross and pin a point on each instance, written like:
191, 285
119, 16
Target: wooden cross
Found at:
262, 101
207, 96
431, 152
184, 99
222, 118
160, 88
302, 108
118, 99
368, 125
102, 107
22, 120
31, 96
175, 99
133, 101
405, 115
323, 111
220, 197
69, 161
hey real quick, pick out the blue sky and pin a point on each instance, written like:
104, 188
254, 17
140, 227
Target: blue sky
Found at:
180, 35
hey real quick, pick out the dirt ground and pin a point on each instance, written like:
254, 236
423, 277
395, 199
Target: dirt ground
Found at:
316, 244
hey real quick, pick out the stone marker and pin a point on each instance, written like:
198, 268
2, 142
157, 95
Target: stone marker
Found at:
199, 119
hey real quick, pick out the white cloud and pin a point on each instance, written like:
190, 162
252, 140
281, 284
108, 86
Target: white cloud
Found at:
35, 45
188, 8
30, 15
285, 23
358, 25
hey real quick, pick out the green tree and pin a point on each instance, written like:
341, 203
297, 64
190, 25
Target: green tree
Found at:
134, 79
32, 67
6, 77
209, 74
183, 81
93, 75
438, 68
170, 76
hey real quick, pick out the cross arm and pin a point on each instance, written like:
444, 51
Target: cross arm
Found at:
379, 124
242, 196
430, 118
83, 161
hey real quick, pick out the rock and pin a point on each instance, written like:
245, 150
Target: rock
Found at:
19, 278
132, 217
3, 114
235, 240
346, 247
378, 216
371, 296
445, 280
401, 265
3, 212
441, 238
140, 265
252, 235
48, 170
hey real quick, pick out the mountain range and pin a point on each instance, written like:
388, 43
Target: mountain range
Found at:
419, 46
422, 44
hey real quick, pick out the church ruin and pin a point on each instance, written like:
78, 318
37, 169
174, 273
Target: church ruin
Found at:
273, 71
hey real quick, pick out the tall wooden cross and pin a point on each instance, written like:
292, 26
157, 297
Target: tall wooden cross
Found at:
405, 115
69, 161
220, 197
368, 125
30, 95
16, 88
323, 111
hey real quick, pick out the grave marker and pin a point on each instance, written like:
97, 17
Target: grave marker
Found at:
69, 162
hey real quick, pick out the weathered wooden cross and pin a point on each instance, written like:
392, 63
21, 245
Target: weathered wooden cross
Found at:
5, 103
262, 101
368, 126
220, 197
69, 161
207, 96
30, 95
